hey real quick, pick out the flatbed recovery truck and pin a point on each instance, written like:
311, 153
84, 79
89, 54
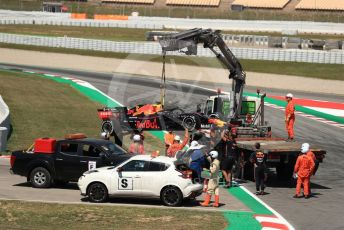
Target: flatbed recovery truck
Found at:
280, 154
234, 107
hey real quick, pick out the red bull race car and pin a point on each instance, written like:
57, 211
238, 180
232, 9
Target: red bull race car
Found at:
154, 117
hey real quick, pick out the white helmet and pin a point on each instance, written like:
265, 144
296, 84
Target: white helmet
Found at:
304, 147
103, 135
177, 138
289, 95
194, 144
137, 137
214, 154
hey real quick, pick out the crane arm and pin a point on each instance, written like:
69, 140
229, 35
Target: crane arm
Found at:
189, 39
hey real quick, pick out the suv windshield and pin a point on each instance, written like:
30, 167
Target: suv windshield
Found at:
114, 149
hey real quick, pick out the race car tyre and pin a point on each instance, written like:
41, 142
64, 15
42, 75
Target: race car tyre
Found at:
40, 178
97, 193
171, 196
177, 112
107, 127
214, 116
189, 122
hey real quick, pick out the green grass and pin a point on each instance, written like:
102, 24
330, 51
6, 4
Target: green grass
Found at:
122, 34
112, 34
31, 215
312, 70
28, 5
43, 108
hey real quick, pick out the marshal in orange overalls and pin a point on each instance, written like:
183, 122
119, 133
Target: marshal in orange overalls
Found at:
304, 168
290, 119
169, 138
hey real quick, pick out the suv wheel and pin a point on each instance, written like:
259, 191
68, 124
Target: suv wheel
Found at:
40, 178
171, 196
97, 193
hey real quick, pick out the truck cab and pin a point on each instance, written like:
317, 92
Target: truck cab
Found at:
219, 106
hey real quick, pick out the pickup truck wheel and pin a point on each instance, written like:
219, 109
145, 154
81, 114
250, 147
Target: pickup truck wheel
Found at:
171, 196
40, 178
97, 193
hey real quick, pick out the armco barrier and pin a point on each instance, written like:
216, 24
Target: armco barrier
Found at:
4, 124
81, 22
293, 55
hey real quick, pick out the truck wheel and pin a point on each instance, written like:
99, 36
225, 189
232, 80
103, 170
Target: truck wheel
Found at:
171, 196
40, 178
97, 193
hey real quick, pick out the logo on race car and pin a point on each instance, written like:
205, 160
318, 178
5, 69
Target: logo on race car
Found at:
205, 126
147, 124
146, 110
125, 183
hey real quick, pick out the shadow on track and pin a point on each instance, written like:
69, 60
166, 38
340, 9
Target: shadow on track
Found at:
69, 186
147, 201
274, 182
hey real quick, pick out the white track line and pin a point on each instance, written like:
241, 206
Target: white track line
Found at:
273, 219
268, 207
332, 123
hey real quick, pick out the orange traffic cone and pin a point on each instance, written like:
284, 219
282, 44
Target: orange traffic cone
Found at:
206, 201
217, 200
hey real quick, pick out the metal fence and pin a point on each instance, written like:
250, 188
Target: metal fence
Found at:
294, 55
81, 22
63, 19
4, 124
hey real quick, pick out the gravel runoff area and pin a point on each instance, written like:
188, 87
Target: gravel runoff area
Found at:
182, 72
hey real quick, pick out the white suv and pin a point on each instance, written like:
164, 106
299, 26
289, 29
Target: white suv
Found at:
141, 176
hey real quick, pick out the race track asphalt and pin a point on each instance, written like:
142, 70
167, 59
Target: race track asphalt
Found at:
323, 211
